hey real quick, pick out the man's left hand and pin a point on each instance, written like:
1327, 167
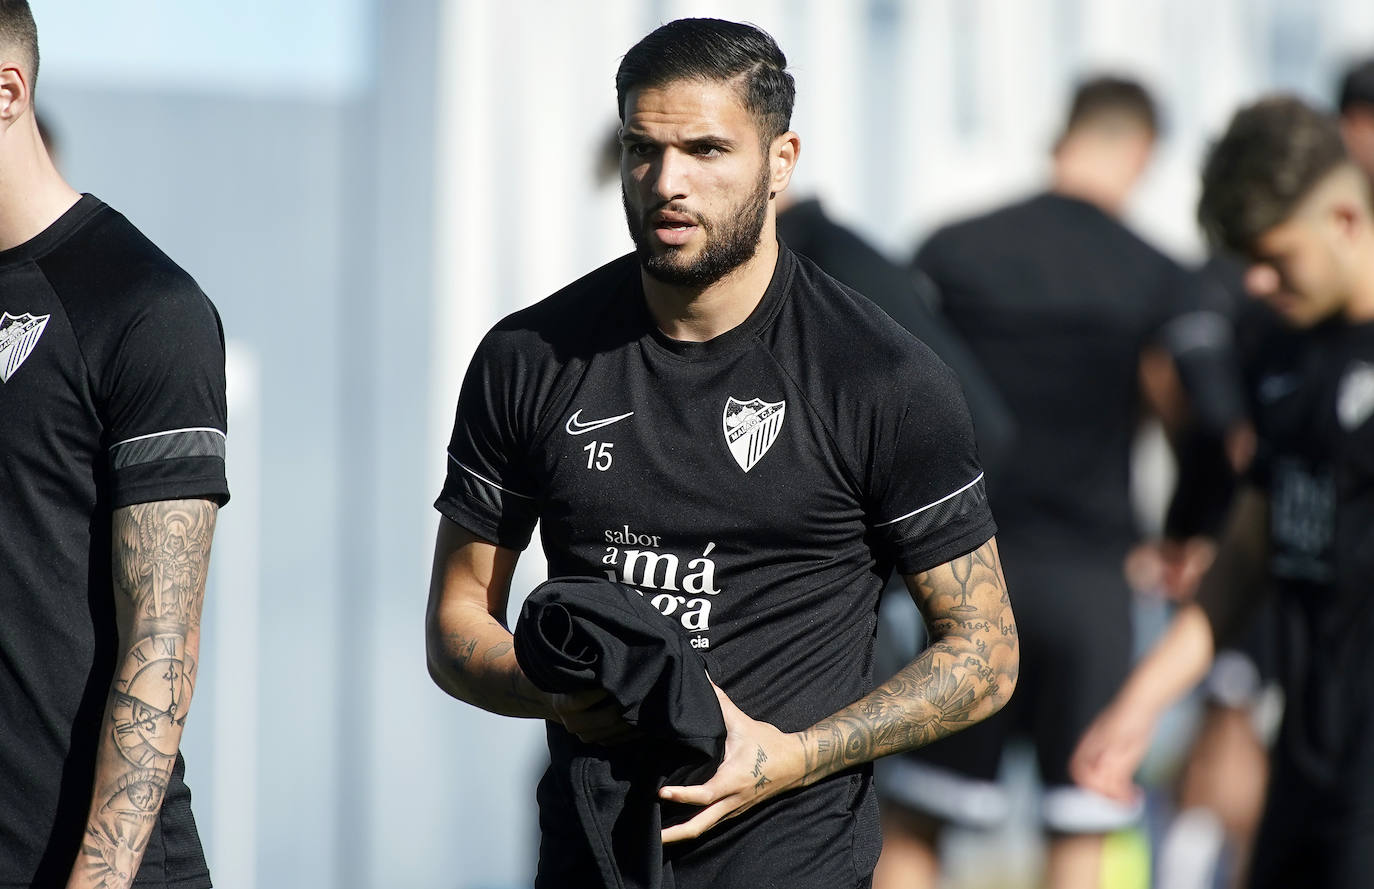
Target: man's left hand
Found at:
760, 762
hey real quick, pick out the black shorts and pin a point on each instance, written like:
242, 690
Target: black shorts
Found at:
1318, 830
1073, 614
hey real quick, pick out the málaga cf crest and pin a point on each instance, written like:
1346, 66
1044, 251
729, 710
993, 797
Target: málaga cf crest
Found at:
1355, 400
751, 427
18, 335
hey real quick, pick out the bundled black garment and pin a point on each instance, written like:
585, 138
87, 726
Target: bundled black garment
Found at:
581, 633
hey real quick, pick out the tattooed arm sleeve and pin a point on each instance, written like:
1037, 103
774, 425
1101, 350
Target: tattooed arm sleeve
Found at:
470, 651
966, 674
160, 553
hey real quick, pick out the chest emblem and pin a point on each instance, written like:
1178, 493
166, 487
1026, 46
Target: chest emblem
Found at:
18, 335
1355, 399
751, 427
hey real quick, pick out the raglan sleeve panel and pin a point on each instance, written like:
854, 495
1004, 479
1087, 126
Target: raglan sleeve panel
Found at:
928, 503
164, 402
488, 489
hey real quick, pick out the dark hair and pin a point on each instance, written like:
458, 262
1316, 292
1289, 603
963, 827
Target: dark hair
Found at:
1112, 98
1357, 87
17, 31
1271, 155
714, 50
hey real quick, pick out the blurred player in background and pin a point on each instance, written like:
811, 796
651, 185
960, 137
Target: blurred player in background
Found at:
1280, 189
1063, 306
112, 439
1356, 103
908, 298
1221, 787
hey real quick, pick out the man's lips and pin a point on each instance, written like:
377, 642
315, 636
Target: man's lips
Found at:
673, 229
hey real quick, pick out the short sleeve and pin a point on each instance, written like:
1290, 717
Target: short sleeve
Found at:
164, 400
488, 489
928, 500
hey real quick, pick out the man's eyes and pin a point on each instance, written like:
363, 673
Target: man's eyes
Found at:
649, 149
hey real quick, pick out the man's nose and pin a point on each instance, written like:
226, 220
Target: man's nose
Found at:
670, 176
1261, 279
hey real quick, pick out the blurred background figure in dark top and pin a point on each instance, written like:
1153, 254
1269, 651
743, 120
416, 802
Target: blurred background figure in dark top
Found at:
909, 299
1221, 787
1065, 308
1356, 103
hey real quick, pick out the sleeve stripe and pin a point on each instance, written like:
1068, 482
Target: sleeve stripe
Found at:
168, 432
170, 445
914, 512
483, 478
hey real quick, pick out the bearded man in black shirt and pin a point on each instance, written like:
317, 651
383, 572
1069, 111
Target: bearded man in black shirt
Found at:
716, 424
112, 437
1280, 189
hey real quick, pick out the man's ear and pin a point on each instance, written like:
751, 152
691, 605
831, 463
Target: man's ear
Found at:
783, 153
1348, 218
14, 93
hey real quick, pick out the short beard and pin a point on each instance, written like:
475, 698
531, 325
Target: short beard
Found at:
726, 250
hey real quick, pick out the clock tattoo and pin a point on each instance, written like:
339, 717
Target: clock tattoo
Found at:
151, 698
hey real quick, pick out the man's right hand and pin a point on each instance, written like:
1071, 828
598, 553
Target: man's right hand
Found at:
1111, 750
594, 718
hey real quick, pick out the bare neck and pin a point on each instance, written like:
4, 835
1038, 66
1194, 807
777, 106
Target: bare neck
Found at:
1097, 172
33, 194
1360, 308
693, 315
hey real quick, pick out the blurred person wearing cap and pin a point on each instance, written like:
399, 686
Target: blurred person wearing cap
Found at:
112, 440
1066, 309
1355, 99
715, 423
1280, 189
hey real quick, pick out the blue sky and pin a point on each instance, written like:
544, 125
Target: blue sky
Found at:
316, 48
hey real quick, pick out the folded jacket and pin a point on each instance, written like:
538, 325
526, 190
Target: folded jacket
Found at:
581, 633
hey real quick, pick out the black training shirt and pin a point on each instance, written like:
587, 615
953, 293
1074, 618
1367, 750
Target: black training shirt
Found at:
1314, 416
1057, 299
111, 394
758, 488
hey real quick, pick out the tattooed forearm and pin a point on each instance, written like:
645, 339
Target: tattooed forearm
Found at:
966, 674
160, 555
477, 664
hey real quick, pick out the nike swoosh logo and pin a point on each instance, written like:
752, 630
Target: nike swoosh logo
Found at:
577, 427
1276, 387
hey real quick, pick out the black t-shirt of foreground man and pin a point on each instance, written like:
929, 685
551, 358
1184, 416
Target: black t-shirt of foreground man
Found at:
753, 447
112, 442
1280, 189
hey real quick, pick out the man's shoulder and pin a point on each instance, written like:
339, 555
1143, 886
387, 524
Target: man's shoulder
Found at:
575, 307
106, 269
574, 321
850, 338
